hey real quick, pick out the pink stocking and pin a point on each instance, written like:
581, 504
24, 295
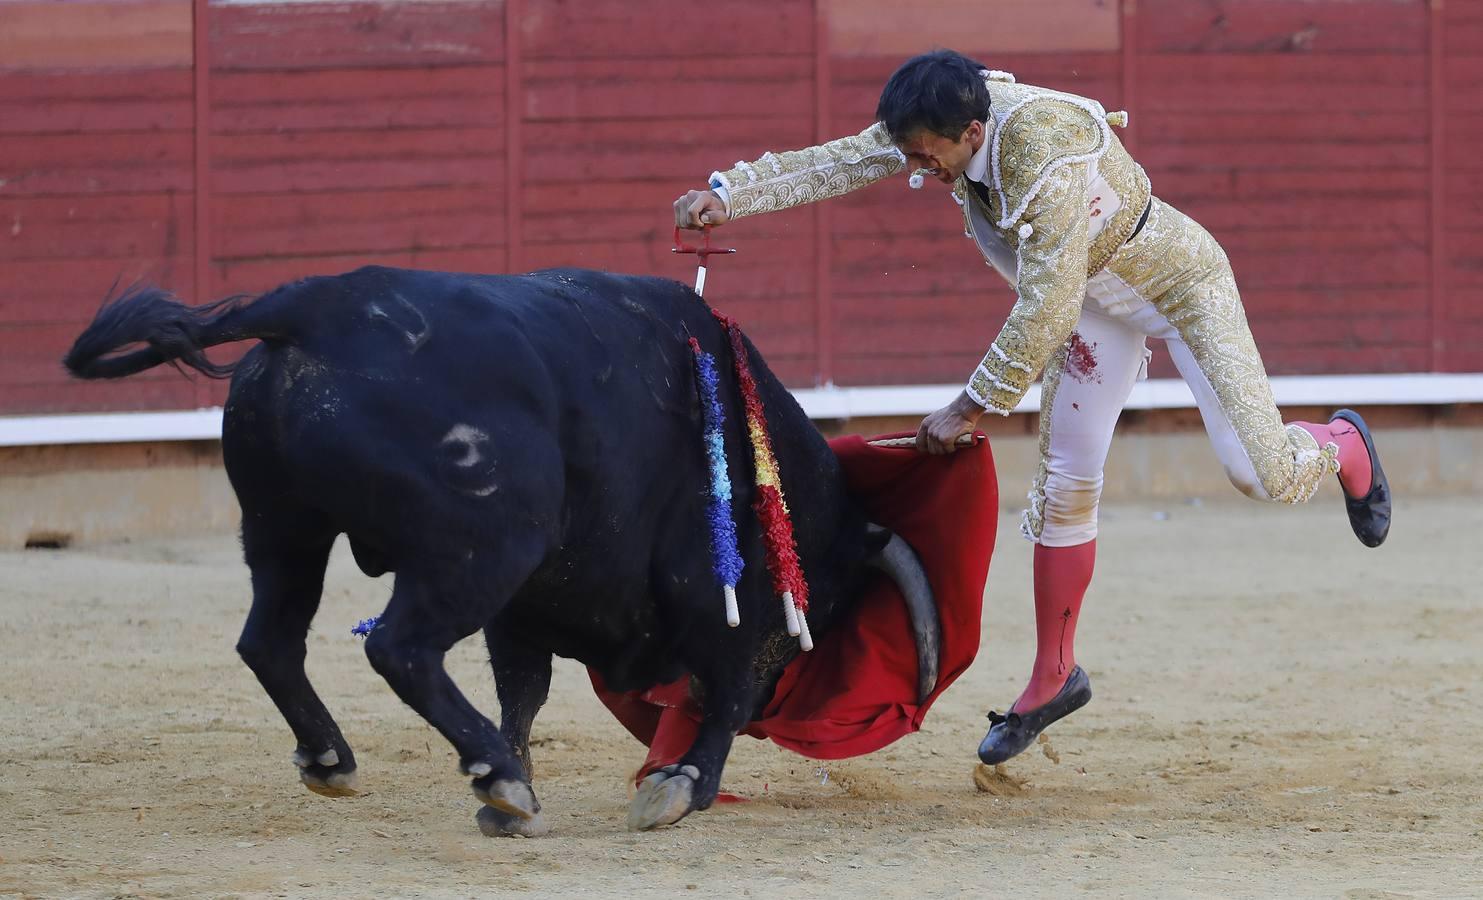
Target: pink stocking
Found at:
1354, 458
1061, 578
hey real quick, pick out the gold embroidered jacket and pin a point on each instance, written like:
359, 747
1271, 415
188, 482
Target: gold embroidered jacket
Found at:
1064, 196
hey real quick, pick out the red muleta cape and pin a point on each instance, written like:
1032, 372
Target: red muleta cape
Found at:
856, 691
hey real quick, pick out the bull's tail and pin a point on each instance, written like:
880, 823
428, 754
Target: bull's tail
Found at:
147, 326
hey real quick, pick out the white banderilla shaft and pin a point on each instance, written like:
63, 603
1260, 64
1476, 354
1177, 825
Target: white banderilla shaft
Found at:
733, 615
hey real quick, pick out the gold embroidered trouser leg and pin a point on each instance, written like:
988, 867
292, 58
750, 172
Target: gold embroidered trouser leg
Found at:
1178, 268
1171, 282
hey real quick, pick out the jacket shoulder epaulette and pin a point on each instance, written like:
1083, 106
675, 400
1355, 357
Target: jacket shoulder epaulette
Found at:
1041, 132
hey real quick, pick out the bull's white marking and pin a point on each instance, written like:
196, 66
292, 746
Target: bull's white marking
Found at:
480, 769
470, 438
415, 338
304, 759
419, 337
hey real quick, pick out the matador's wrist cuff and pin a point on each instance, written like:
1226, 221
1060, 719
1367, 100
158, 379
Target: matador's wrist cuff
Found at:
999, 382
722, 190
994, 395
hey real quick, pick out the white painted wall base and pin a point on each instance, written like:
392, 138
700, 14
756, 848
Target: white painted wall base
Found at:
75, 497
1421, 389
830, 402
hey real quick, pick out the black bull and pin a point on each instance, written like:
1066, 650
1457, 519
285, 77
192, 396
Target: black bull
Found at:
525, 453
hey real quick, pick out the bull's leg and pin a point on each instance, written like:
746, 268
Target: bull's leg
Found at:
691, 784
424, 618
522, 678
287, 564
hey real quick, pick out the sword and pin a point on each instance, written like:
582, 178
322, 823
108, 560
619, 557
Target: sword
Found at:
701, 252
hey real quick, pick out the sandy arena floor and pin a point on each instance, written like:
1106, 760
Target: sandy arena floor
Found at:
1279, 712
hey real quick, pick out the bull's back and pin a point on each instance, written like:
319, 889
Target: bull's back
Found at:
562, 400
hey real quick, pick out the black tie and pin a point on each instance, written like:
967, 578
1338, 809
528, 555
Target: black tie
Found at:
979, 188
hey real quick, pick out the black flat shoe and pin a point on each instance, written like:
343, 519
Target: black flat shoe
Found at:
1011, 734
1369, 515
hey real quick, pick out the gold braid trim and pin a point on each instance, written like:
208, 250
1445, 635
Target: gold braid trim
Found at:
1040, 135
1123, 174
1051, 284
1179, 267
1130, 182
782, 180
1032, 520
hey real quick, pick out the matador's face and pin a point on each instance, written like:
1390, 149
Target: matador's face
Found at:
946, 158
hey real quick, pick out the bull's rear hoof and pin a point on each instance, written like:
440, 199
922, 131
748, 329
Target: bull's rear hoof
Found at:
330, 782
499, 824
663, 798
327, 773
514, 798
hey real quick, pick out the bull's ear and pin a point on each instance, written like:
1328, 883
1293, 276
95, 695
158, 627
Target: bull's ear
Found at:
876, 539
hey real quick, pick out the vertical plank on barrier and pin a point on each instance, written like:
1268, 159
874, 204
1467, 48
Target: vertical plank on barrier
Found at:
514, 115
823, 225
201, 123
1128, 35
1437, 100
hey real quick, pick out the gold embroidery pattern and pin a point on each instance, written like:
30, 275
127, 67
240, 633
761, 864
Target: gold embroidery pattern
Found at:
964, 195
1176, 265
1038, 138
1123, 174
1051, 285
1128, 180
783, 180
960, 197
1032, 520
1003, 95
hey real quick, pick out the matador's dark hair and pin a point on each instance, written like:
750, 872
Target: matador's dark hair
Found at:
941, 92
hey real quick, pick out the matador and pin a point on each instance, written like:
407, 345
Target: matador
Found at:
1061, 210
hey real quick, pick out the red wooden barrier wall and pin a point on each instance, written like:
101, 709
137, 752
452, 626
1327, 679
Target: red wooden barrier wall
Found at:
1331, 145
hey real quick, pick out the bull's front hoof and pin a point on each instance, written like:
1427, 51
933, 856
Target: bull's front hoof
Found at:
665, 797
326, 774
514, 798
499, 824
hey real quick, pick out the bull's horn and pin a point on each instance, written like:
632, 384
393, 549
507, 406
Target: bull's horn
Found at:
899, 561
